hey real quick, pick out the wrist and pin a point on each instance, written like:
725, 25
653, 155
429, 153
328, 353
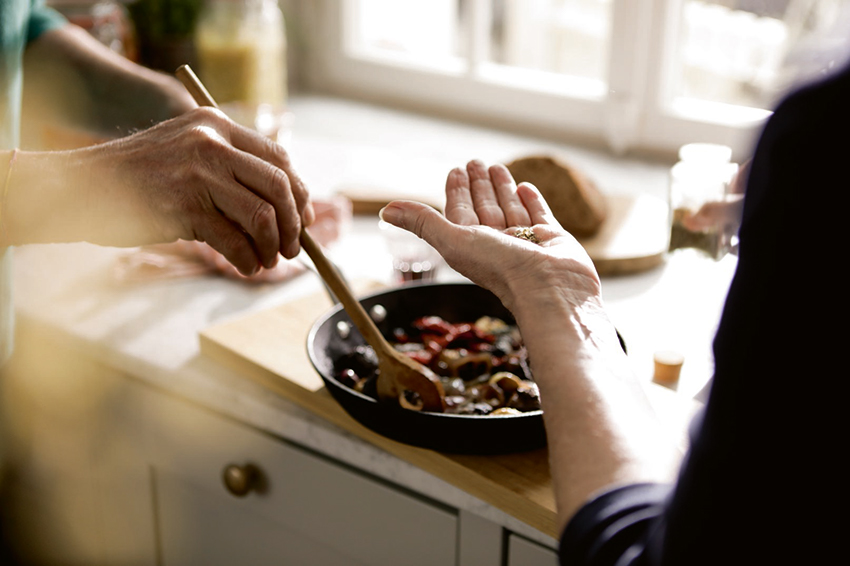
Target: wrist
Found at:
569, 291
560, 317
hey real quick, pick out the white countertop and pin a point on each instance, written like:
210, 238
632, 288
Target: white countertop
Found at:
150, 331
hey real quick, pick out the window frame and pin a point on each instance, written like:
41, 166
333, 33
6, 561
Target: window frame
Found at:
632, 116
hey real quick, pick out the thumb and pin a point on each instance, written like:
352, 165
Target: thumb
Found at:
420, 219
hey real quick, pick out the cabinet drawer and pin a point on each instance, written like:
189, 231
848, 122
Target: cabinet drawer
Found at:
523, 552
304, 510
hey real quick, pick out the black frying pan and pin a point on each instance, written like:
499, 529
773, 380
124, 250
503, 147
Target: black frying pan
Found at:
455, 302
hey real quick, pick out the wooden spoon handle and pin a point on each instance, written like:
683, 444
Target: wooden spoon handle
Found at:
352, 306
195, 87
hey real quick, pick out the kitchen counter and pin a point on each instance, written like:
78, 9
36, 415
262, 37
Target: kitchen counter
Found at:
150, 330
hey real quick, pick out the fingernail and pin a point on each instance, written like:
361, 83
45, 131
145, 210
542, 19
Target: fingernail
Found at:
253, 271
391, 214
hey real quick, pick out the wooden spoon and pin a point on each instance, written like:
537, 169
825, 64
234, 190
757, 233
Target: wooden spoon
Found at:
398, 373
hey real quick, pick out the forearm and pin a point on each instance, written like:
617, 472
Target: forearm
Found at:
72, 196
601, 430
46, 200
71, 76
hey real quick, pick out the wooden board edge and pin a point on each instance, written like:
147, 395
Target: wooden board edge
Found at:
614, 267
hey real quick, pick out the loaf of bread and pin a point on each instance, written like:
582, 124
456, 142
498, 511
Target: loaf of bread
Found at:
574, 199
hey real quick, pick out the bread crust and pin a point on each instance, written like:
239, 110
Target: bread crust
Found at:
575, 201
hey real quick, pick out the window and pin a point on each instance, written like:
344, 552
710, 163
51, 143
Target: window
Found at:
634, 74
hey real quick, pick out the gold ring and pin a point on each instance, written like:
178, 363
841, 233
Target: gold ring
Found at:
526, 234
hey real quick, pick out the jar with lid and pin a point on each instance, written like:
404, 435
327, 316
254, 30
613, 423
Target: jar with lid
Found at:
701, 176
241, 50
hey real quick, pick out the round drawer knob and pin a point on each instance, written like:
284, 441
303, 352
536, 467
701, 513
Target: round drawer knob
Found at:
241, 480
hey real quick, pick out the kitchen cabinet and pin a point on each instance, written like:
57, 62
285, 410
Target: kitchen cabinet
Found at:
523, 552
79, 489
300, 508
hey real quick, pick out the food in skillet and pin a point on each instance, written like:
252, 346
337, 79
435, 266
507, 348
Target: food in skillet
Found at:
483, 365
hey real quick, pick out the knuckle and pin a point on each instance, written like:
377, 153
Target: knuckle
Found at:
203, 149
264, 219
279, 184
210, 113
207, 139
420, 224
278, 155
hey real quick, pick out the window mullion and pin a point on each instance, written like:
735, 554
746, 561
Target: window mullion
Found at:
477, 20
349, 36
629, 71
667, 19
662, 49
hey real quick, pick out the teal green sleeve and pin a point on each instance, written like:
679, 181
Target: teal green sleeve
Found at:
42, 19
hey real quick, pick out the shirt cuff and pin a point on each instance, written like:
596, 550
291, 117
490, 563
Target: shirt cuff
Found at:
613, 525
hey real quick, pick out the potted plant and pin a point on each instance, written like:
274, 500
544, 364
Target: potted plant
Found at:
165, 30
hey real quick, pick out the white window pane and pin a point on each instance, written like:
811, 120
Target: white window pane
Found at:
416, 30
735, 51
568, 37
556, 46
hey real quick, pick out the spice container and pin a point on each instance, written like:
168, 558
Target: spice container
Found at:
701, 176
668, 366
413, 259
241, 49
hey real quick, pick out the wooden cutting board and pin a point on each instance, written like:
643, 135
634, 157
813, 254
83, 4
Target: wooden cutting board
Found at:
633, 238
269, 347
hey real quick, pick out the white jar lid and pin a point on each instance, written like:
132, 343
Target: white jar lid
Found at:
705, 153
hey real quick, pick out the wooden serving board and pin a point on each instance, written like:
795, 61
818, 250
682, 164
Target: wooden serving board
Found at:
633, 238
269, 347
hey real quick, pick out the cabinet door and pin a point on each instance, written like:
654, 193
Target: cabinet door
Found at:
523, 552
81, 491
305, 509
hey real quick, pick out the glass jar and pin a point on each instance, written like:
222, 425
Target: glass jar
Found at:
701, 176
241, 50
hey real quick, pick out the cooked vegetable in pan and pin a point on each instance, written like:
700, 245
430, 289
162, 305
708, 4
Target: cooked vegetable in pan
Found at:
483, 365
